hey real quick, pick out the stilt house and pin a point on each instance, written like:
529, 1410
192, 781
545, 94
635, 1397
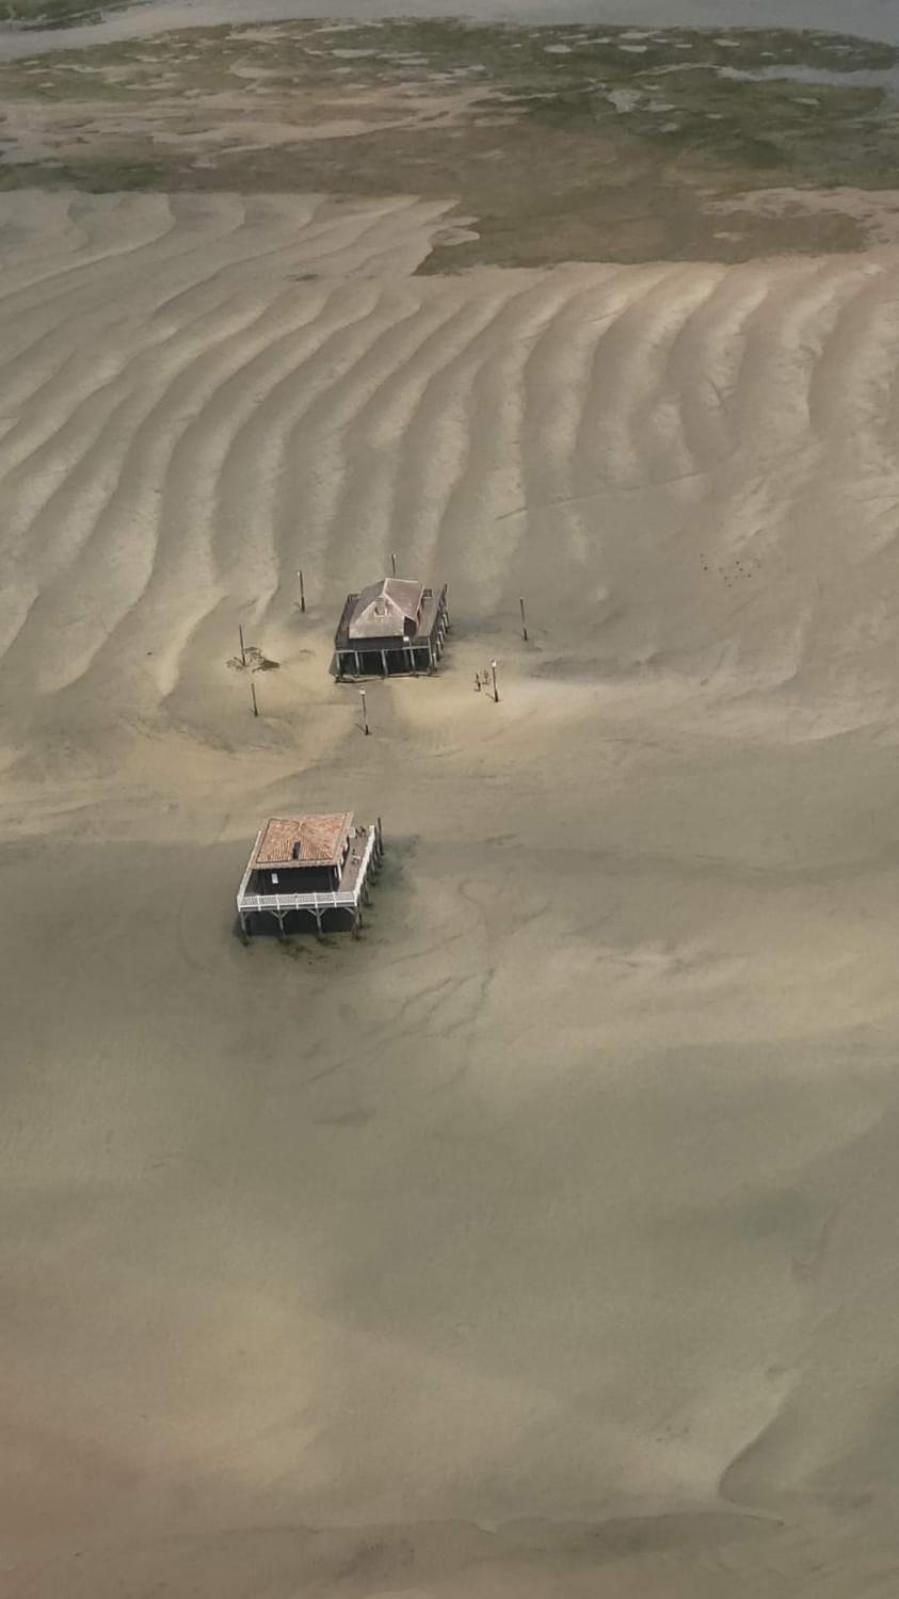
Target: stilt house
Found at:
304, 867
395, 626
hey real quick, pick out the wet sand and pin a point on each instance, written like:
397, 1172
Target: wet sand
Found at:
541, 1242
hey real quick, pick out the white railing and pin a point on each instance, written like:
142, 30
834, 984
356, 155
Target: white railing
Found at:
335, 900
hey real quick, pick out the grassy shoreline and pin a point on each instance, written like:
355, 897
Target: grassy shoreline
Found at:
572, 142
56, 13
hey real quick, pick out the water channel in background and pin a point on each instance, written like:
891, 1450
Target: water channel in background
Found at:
872, 19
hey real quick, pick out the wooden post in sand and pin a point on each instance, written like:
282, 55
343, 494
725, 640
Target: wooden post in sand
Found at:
393, 564
495, 689
365, 727
302, 591
253, 697
524, 622
243, 653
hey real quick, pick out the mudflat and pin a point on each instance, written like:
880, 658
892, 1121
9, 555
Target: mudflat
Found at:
540, 1242
565, 143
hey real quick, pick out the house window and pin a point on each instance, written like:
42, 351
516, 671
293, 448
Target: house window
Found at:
274, 879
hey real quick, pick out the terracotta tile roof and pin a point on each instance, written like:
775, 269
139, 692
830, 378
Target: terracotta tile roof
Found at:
303, 840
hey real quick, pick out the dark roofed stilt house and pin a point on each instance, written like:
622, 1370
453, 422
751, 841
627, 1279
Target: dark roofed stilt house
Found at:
305, 867
395, 626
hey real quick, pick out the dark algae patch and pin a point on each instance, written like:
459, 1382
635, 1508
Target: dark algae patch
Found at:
562, 143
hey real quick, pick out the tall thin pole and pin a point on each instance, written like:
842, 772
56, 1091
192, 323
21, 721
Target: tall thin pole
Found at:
495, 689
393, 563
365, 727
302, 591
253, 695
243, 653
524, 622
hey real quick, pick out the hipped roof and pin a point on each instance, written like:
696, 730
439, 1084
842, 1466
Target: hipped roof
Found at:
303, 840
385, 609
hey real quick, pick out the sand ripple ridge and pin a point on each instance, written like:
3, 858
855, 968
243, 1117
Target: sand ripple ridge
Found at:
203, 392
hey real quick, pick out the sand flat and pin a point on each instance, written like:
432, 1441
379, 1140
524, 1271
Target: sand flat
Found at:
541, 1242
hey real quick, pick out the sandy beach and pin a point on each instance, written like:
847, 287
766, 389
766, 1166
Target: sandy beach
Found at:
541, 1242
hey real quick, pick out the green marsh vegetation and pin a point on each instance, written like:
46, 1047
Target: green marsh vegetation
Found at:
564, 142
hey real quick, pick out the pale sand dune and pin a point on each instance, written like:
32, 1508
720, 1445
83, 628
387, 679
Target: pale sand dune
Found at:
543, 1242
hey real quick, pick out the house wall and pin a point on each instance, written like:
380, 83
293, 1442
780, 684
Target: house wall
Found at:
371, 662
294, 880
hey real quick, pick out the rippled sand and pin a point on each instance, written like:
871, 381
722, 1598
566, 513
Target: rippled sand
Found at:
543, 1241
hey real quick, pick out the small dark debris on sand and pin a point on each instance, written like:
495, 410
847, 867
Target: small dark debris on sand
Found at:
254, 661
